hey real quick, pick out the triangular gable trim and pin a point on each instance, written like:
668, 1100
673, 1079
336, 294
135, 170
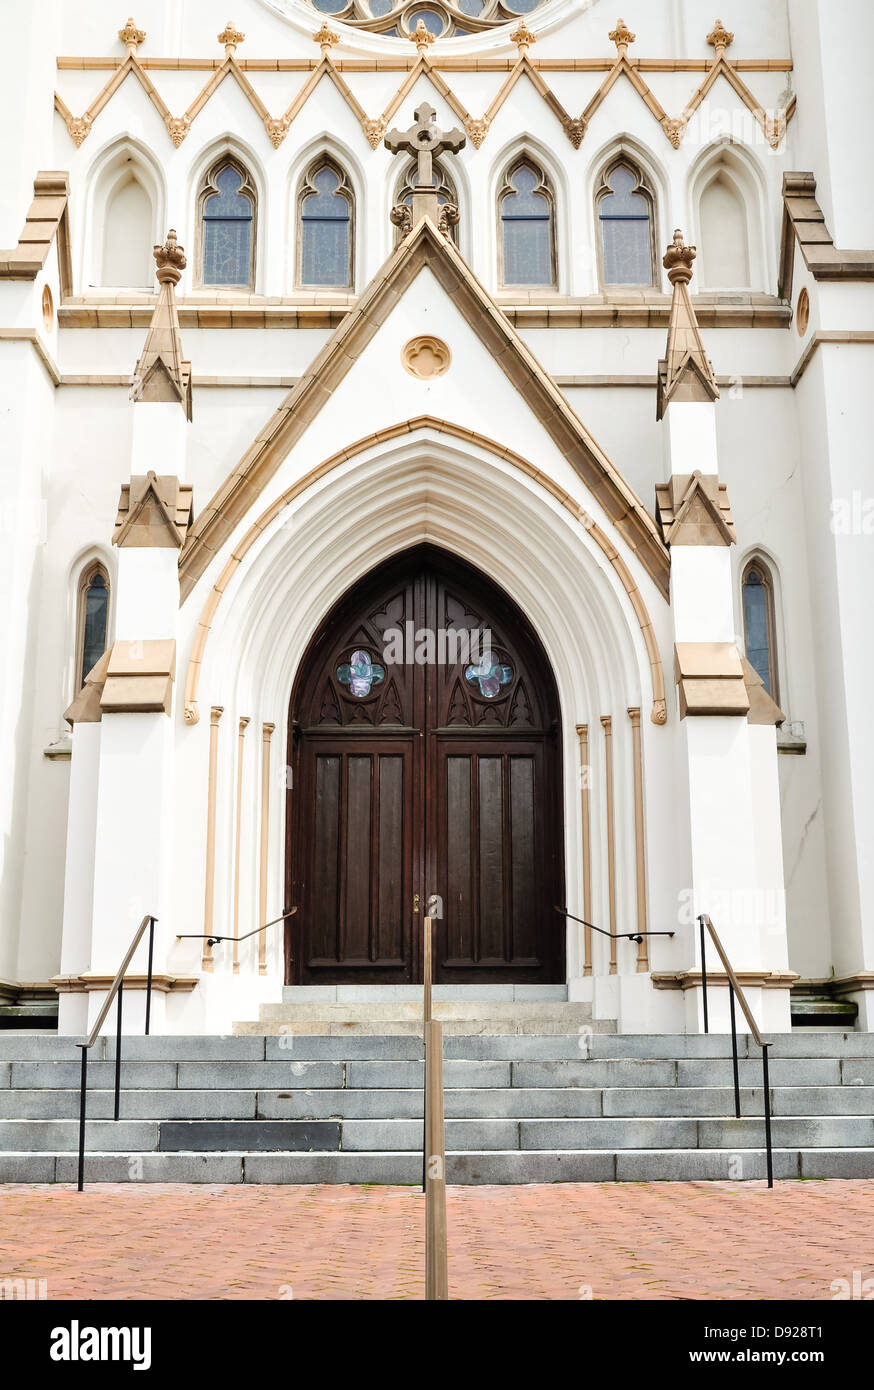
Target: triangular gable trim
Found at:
424, 246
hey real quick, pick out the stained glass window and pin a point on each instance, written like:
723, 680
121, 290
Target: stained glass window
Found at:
93, 617
626, 240
489, 675
759, 626
360, 674
526, 221
227, 230
325, 230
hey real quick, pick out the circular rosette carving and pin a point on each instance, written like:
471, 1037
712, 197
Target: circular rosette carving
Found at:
426, 357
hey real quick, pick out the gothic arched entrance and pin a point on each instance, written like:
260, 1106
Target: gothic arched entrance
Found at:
425, 760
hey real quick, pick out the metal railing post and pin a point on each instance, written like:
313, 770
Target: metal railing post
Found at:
83, 1092
703, 976
118, 1050
426, 1019
734, 1051
149, 976
436, 1262
766, 1086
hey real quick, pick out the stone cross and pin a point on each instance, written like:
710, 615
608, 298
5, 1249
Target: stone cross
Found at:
426, 141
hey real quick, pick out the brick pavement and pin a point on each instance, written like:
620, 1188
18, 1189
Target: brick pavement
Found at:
621, 1241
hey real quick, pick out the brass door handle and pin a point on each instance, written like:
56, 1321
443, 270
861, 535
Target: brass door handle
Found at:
415, 902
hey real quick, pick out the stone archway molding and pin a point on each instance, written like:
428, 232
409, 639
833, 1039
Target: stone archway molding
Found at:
658, 712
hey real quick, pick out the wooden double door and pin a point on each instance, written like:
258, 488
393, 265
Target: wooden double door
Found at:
425, 759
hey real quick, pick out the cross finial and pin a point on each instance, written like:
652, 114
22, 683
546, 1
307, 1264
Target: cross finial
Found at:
170, 259
622, 37
421, 37
230, 37
678, 260
326, 38
426, 141
131, 36
522, 37
720, 38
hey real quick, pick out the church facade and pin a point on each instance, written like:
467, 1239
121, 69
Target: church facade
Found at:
435, 462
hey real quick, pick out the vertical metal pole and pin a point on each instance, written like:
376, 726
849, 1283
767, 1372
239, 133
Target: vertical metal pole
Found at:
149, 979
436, 1273
426, 1019
703, 976
118, 1049
82, 1094
427, 970
767, 1089
734, 1050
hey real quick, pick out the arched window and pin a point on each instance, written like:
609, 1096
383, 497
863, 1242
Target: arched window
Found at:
724, 240
325, 228
625, 221
759, 623
92, 619
128, 236
227, 238
527, 227
445, 192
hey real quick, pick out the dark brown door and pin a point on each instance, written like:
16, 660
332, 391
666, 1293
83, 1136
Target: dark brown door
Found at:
419, 767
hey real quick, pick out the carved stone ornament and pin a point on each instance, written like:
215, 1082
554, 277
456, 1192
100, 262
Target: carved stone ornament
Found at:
131, 36
622, 37
374, 131
575, 129
522, 37
78, 128
449, 217
401, 216
326, 38
720, 38
170, 260
426, 357
230, 37
177, 128
678, 260
421, 36
277, 128
477, 130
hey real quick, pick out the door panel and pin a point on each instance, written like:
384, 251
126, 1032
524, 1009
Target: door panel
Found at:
417, 776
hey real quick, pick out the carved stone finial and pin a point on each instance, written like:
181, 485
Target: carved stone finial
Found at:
230, 37
131, 36
421, 37
678, 260
622, 37
170, 259
425, 141
720, 38
522, 37
326, 38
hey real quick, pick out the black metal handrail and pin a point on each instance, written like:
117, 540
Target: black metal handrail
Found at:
735, 988
613, 935
116, 989
214, 940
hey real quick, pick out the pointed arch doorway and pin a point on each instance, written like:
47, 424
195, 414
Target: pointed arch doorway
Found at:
420, 766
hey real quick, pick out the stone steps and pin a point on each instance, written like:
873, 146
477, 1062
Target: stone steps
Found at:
397, 1011
405, 1168
577, 1106
462, 1135
504, 1102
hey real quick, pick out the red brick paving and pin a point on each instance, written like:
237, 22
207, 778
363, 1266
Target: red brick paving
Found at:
620, 1241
